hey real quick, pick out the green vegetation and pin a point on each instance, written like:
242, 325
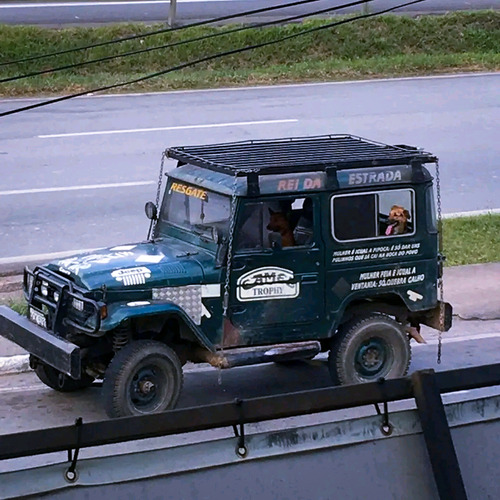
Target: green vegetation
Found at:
19, 305
472, 240
383, 46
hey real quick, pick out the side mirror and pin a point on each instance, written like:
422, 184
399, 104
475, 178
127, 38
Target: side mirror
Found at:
151, 212
275, 241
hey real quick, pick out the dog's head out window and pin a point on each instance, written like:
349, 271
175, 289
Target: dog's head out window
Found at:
373, 215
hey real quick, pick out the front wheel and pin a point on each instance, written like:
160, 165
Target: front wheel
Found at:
368, 348
144, 377
59, 381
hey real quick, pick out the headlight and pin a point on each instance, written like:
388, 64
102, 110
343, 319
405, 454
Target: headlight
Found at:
44, 289
77, 304
56, 296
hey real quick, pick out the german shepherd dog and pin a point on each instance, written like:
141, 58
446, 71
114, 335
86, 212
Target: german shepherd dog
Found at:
398, 221
279, 223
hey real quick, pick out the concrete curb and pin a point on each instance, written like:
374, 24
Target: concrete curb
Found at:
10, 365
20, 363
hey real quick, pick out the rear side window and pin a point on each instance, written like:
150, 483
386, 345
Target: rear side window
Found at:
380, 214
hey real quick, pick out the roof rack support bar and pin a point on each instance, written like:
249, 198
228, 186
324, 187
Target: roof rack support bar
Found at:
417, 172
253, 188
331, 178
437, 436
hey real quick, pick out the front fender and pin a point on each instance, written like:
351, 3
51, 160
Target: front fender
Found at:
121, 311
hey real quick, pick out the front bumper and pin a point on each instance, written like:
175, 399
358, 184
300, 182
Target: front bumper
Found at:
51, 349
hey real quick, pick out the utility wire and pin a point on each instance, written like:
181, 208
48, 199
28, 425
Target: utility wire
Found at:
164, 30
208, 58
182, 42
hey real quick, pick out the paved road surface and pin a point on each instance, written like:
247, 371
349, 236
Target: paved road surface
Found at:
26, 404
104, 11
76, 175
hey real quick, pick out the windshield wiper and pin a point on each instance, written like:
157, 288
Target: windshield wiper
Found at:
201, 230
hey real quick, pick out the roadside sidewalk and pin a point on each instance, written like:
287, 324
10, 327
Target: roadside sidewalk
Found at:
473, 291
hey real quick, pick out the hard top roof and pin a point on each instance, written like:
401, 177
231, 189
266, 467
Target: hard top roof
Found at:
301, 154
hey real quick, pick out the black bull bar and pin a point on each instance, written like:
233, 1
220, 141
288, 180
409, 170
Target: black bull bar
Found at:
51, 349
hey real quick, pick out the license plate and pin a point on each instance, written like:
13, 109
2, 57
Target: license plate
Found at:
38, 318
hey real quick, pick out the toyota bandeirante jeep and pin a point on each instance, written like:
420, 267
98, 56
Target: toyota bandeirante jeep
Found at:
270, 250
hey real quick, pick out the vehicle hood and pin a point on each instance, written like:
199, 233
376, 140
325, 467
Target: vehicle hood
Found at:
169, 262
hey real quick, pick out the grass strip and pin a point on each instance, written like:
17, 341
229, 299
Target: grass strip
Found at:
472, 240
385, 46
19, 305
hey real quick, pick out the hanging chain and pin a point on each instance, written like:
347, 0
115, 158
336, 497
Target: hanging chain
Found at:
158, 189
440, 263
232, 221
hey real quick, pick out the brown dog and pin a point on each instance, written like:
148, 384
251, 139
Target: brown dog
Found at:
279, 223
398, 221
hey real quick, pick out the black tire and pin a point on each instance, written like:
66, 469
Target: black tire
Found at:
60, 381
144, 377
368, 348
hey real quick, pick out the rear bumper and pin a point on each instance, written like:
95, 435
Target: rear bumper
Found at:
433, 317
55, 351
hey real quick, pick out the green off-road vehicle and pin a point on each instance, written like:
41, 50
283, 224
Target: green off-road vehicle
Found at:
261, 251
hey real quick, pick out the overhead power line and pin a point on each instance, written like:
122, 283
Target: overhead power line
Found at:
208, 58
164, 30
181, 42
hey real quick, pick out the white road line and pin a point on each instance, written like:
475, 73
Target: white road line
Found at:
179, 127
75, 188
43, 256
27, 388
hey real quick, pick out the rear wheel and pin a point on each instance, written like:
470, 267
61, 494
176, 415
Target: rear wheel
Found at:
368, 348
144, 377
60, 381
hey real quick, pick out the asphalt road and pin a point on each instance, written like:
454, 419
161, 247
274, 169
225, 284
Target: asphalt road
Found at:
76, 175
26, 404
104, 11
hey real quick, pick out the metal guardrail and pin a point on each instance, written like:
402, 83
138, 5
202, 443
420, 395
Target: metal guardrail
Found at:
424, 386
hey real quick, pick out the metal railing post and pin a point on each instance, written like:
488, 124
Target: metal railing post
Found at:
172, 13
437, 436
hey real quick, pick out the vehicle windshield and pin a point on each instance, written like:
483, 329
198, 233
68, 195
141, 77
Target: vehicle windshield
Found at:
196, 209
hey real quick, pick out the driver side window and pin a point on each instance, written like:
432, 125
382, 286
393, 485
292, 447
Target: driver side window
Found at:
289, 220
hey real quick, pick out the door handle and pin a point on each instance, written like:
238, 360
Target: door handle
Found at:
309, 278
239, 267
